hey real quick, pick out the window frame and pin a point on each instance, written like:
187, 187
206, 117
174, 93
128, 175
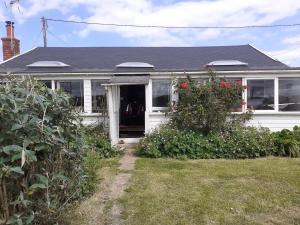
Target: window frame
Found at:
278, 93
103, 81
161, 109
58, 87
275, 94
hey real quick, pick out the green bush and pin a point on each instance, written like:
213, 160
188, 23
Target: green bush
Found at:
242, 142
238, 143
96, 139
287, 142
40, 153
167, 142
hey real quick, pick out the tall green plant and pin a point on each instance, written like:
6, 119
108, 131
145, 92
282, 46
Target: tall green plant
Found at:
206, 108
40, 169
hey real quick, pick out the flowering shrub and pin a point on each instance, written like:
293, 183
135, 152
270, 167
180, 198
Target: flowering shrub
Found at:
207, 108
203, 126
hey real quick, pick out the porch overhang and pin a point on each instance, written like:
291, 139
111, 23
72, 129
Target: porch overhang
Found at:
128, 80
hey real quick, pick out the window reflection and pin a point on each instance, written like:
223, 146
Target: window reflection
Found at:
47, 83
161, 93
75, 89
238, 106
98, 97
289, 94
260, 94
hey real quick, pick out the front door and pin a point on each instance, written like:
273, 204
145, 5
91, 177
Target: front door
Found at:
132, 111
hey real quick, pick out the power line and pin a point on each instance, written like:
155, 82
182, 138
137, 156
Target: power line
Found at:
37, 38
58, 38
173, 27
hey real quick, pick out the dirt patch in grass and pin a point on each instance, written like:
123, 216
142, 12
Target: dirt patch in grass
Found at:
164, 191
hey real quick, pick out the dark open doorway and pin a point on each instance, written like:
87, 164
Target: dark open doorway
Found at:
132, 111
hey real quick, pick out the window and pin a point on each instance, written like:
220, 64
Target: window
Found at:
75, 89
260, 94
47, 83
161, 90
98, 97
289, 94
238, 106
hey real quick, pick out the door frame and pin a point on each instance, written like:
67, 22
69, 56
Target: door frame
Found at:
113, 99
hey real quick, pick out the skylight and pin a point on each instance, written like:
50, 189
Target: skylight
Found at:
134, 65
227, 63
48, 64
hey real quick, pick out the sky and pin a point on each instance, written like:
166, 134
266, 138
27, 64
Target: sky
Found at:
280, 43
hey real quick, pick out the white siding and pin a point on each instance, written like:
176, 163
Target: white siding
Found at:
94, 119
273, 122
154, 120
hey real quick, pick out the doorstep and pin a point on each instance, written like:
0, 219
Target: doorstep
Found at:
129, 140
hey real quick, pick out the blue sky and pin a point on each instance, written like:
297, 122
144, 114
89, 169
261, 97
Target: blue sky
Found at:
280, 43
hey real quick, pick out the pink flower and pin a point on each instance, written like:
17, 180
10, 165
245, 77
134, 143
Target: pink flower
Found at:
184, 85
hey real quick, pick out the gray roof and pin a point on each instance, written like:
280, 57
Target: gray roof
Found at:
105, 59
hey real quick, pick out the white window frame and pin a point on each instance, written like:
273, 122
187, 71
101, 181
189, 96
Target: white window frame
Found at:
57, 82
171, 97
275, 79
91, 96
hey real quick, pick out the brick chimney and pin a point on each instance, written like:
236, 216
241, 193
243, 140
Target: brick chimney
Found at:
11, 45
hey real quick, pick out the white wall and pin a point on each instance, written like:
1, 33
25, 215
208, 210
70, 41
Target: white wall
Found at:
273, 122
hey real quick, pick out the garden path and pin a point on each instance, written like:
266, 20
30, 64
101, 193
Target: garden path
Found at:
120, 184
103, 208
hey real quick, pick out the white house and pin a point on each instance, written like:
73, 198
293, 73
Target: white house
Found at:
132, 85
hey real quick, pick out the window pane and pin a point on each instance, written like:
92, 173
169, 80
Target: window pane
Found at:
47, 83
75, 89
98, 96
260, 94
238, 106
289, 94
161, 93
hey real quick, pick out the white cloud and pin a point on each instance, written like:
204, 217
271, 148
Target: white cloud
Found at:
184, 13
289, 55
292, 40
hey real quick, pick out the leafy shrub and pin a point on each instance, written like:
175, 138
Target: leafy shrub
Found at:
168, 142
247, 142
238, 143
97, 140
287, 142
40, 153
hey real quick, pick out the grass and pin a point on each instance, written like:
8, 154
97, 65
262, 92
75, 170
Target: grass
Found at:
262, 191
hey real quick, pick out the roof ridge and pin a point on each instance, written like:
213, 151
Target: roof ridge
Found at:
264, 54
210, 46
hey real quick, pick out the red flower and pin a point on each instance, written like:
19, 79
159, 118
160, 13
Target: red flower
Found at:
243, 102
245, 87
184, 85
239, 82
224, 84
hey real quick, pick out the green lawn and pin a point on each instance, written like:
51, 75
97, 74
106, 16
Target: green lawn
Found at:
262, 191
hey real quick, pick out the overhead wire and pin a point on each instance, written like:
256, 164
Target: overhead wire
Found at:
173, 27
